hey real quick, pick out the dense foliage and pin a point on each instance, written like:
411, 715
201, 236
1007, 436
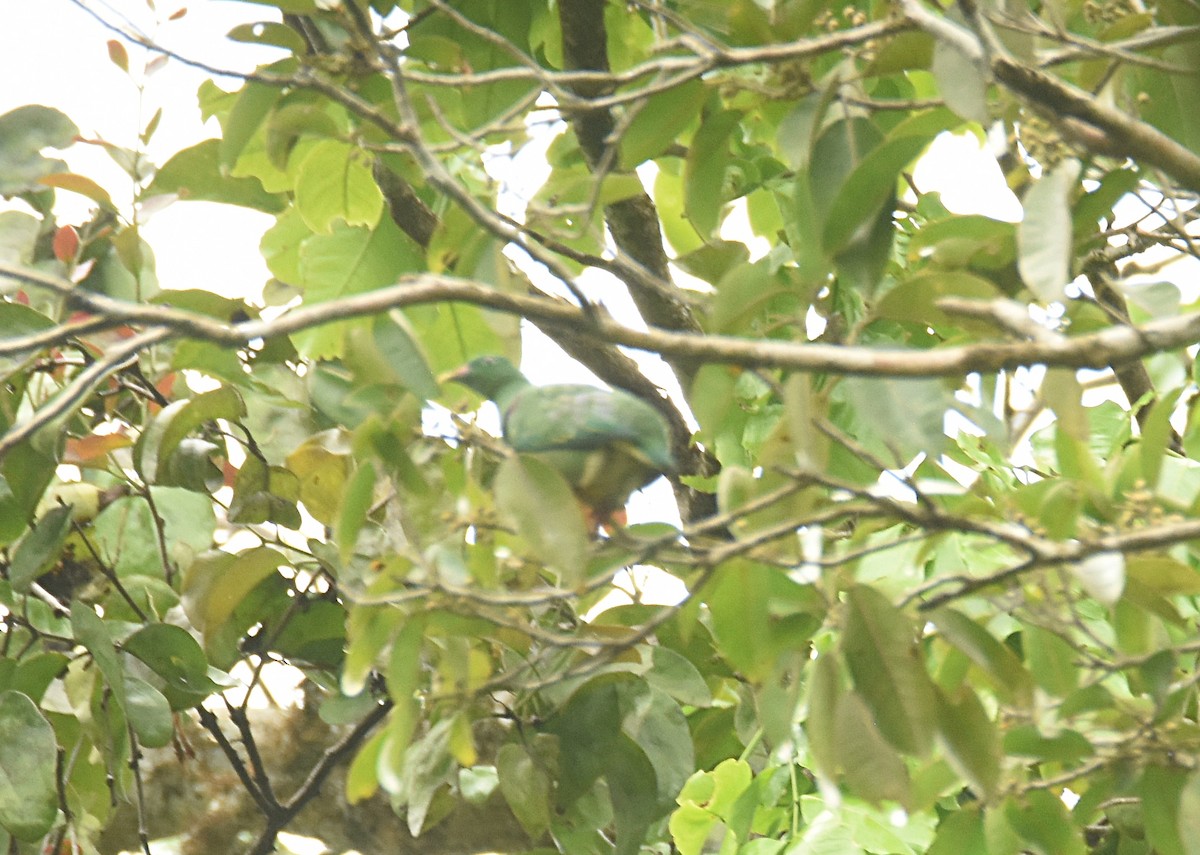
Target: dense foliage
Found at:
938, 474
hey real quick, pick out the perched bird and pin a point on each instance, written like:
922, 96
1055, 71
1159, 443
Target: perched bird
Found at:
605, 443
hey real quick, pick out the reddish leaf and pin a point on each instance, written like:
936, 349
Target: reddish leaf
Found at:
166, 386
66, 243
93, 448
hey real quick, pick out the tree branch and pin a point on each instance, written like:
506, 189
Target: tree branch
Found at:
633, 222
1100, 349
1122, 134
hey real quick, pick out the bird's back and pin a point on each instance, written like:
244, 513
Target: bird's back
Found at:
584, 418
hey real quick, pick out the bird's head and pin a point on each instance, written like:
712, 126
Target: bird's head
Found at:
488, 375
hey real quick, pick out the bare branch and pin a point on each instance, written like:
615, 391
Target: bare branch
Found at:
1100, 349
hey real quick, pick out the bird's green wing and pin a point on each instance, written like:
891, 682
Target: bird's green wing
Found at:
584, 418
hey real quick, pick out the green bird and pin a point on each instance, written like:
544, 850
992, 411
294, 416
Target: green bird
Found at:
605, 443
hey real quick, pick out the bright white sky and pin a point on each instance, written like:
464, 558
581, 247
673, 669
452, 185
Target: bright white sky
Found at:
53, 53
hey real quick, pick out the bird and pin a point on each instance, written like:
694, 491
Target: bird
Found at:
605, 443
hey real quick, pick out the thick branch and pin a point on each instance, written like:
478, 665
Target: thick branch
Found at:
1124, 135
1112, 346
633, 222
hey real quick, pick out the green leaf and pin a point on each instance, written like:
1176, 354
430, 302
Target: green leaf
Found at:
731, 779
1068, 746
315, 635
177, 420
738, 601
875, 829
675, 674
1161, 791
451, 335
272, 33
690, 826
195, 174
960, 833
1007, 672
704, 171
477, 783
1162, 575
872, 184
658, 727
1045, 239
24, 133
999, 834
862, 262
362, 782
539, 503
1042, 821
825, 835
1189, 815
797, 131
193, 467
18, 238
837, 152
659, 120
1051, 660
254, 103
526, 785
398, 345
961, 80
334, 182
265, 494
323, 463
356, 504
743, 594
40, 548
906, 415
368, 630
93, 634
1097, 204
632, 791
1152, 300
745, 294
405, 664
668, 198
1156, 436
28, 758
149, 713
126, 533
879, 643
872, 768
24, 474
821, 724
35, 673
587, 726
965, 241
915, 300
427, 766
218, 582
171, 653
349, 260
970, 740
